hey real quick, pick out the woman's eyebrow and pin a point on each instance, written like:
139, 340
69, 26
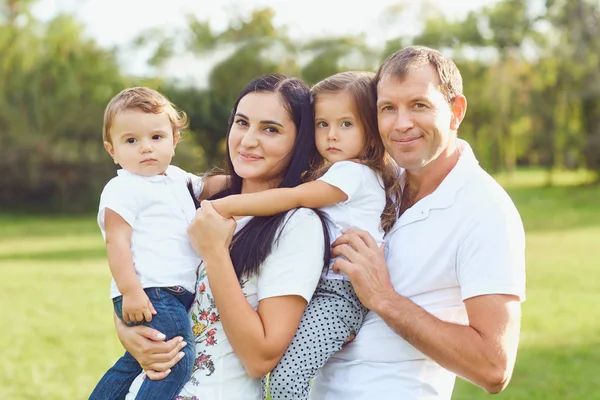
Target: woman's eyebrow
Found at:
271, 122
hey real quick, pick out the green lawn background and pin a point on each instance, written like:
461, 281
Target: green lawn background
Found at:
58, 336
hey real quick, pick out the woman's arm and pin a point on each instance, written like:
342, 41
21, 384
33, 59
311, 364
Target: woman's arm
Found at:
315, 194
149, 348
212, 185
260, 337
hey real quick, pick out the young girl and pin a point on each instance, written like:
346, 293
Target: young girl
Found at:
354, 183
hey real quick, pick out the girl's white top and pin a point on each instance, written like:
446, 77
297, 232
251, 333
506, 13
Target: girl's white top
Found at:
363, 208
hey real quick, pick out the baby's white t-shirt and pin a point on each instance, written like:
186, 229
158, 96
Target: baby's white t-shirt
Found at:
159, 210
363, 208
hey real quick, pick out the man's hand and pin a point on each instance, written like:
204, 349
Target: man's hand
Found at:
365, 265
137, 307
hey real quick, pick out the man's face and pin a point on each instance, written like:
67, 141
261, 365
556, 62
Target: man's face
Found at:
416, 123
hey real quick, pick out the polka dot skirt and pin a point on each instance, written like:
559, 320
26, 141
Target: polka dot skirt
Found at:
331, 317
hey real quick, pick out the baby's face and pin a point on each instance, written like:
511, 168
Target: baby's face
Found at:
142, 143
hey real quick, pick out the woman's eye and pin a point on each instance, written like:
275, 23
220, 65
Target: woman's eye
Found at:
271, 129
130, 140
241, 122
387, 108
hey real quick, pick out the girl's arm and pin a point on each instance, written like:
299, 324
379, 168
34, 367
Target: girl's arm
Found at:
315, 194
136, 305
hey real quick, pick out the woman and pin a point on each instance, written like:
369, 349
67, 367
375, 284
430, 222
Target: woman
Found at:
253, 286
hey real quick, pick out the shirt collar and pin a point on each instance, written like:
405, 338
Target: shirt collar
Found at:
153, 178
444, 195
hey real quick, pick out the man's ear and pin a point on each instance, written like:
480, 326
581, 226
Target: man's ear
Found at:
110, 150
458, 109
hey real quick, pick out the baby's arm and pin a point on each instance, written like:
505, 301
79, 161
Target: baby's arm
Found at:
136, 305
315, 194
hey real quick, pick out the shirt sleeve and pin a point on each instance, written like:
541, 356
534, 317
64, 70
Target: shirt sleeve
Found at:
491, 255
346, 176
197, 184
296, 263
119, 196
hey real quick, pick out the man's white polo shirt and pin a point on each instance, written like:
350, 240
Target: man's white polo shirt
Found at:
463, 240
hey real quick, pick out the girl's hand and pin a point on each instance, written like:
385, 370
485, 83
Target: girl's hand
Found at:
149, 348
137, 307
209, 232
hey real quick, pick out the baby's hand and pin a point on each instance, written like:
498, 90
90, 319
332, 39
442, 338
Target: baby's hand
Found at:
137, 307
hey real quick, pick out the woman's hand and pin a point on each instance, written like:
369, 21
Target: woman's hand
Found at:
148, 346
210, 232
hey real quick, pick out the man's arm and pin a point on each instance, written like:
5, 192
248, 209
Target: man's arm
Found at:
484, 351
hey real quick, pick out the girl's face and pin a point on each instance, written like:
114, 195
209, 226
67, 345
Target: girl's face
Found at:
340, 134
261, 140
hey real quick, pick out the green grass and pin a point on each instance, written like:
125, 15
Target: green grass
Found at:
58, 336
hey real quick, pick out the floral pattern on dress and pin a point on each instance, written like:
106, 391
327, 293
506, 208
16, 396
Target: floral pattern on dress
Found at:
204, 317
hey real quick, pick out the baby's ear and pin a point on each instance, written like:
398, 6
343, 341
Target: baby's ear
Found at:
176, 137
110, 150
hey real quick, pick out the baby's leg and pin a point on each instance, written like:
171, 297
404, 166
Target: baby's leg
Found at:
332, 316
114, 385
172, 319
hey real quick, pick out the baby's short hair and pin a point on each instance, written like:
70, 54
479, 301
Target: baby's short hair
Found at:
146, 100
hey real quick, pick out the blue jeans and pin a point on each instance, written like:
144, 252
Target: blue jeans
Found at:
171, 304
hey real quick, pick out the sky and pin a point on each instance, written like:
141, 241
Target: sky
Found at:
118, 22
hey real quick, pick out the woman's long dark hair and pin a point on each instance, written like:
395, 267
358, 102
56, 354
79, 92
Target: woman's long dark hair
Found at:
253, 243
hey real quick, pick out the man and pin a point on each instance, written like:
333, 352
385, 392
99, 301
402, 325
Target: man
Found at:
445, 291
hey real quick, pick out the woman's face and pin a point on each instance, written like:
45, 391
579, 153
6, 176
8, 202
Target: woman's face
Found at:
261, 140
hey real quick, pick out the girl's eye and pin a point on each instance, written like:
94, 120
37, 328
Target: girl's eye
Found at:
346, 124
321, 124
130, 140
241, 122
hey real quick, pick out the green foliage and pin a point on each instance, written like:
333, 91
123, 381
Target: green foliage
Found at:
530, 75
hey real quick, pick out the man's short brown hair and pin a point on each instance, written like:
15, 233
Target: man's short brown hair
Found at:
146, 100
399, 64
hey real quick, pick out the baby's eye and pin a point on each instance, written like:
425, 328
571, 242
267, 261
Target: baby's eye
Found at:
130, 140
157, 137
